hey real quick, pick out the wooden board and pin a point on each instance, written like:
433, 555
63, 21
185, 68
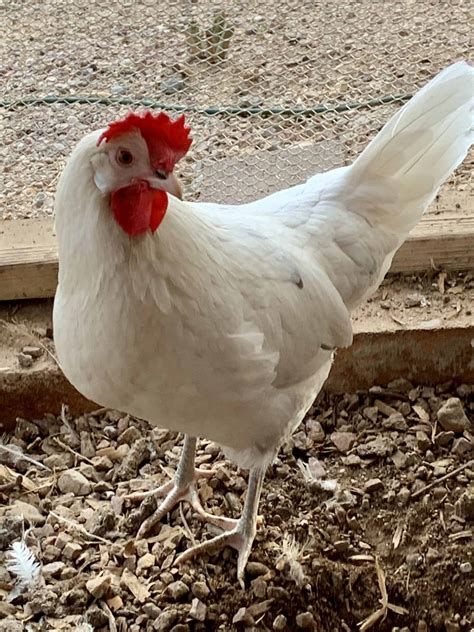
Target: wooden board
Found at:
443, 238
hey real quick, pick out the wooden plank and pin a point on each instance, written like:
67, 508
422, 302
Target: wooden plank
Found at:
444, 238
28, 259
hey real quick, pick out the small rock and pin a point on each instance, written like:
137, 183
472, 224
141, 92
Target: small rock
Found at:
151, 610
452, 626
404, 495
399, 459
373, 485
439, 492
396, 421
444, 438
34, 352
28, 512
99, 585
52, 570
146, 561
243, 616
432, 555
462, 447
129, 436
87, 447
165, 620
178, 589
415, 300
198, 610
179, 627
174, 83
200, 589
371, 412
452, 417
280, 623
422, 440
255, 569
118, 88
24, 360
422, 626
465, 567
352, 460
414, 560
259, 587
380, 447
72, 481
464, 506
305, 621
343, 440
315, 431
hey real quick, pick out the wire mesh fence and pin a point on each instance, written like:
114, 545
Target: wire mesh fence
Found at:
273, 90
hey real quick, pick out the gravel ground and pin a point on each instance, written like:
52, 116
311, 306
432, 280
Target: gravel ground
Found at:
289, 53
401, 459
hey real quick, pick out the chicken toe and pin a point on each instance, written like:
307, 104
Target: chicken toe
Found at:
182, 489
241, 536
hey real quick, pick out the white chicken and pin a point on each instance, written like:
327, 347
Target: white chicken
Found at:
221, 321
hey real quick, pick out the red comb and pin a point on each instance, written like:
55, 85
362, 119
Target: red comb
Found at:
167, 140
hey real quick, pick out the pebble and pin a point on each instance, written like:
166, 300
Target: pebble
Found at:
414, 560
343, 440
99, 585
53, 569
415, 300
72, 550
198, 610
34, 352
201, 590
174, 83
432, 555
315, 431
129, 436
464, 506
178, 589
72, 481
396, 421
444, 438
373, 485
452, 417
465, 567
165, 620
305, 621
462, 447
28, 512
422, 440
24, 360
255, 569
243, 616
280, 623
380, 447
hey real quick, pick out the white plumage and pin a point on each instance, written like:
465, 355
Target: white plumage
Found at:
222, 324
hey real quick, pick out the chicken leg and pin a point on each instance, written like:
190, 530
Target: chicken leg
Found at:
183, 489
240, 536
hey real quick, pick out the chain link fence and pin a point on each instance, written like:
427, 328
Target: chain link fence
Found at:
273, 90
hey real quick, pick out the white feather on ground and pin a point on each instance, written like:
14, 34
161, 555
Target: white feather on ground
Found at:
23, 564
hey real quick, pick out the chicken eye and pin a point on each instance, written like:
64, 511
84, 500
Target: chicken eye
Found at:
161, 175
124, 157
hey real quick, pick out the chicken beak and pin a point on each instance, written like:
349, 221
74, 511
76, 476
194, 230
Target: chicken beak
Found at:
170, 185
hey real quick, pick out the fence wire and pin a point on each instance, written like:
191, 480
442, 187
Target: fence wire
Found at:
274, 90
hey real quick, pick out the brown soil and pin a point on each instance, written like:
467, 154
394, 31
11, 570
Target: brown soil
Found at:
422, 537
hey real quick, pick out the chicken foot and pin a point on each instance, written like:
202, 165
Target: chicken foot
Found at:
240, 536
183, 489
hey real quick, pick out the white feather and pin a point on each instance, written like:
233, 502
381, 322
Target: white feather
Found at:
23, 564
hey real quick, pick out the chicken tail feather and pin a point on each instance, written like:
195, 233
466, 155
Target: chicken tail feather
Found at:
416, 151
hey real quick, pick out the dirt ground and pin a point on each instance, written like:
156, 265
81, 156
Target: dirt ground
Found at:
404, 495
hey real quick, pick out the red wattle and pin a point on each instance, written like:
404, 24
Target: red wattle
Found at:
138, 208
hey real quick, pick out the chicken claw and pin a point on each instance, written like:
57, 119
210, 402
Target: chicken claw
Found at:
183, 489
241, 536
